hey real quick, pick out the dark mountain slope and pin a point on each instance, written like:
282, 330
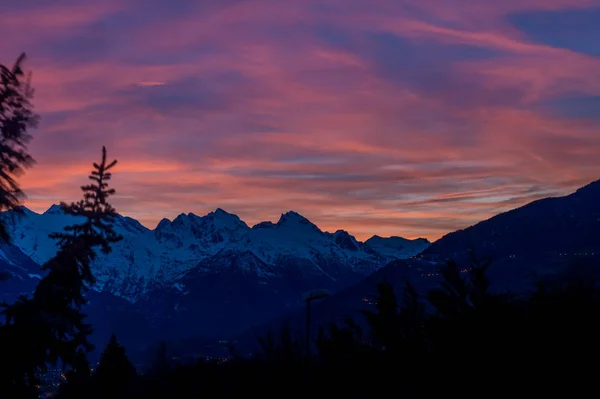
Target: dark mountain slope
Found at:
569, 224
541, 240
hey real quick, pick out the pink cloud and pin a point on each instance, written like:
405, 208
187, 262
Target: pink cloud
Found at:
408, 118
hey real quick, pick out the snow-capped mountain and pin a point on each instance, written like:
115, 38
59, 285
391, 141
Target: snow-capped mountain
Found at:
19, 273
398, 247
147, 260
107, 313
296, 242
202, 235
137, 263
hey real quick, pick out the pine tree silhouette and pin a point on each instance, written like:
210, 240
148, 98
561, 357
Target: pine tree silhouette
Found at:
61, 293
340, 344
50, 328
115, 373
384, 321
16, 117
79, 242
452, 298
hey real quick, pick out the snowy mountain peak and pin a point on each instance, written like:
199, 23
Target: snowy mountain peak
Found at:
341, 233
130, 225
24, 210
218, 219
55, 209
395, 240
294, 219
202, 235
225, 219
398, 246
183, 218
345, 240
163, 223
264, 225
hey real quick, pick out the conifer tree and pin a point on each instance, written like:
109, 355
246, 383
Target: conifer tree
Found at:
16, 117
79, 242
384, 321
50, 327
61, 293
115, 373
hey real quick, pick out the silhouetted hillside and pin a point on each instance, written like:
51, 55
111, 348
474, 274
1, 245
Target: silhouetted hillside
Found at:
569, 224
538, 241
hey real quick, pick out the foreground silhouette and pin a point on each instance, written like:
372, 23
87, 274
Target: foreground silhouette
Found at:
16, 117
470, 342
49, 328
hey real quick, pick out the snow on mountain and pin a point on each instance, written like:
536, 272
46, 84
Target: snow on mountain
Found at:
137, 263
294, 240
203, 235
146, 259
398, 247
21, 274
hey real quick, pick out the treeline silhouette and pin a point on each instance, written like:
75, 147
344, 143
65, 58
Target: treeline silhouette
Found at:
460, 339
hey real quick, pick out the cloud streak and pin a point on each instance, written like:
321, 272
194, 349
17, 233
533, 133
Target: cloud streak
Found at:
408, 118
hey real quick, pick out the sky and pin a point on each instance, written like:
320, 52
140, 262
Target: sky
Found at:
389, 117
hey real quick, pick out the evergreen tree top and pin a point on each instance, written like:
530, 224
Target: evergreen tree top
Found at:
97, 229
16, 117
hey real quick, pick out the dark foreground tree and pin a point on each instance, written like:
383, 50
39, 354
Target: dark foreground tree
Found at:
50, 328
16, 117
462, 339
115, 374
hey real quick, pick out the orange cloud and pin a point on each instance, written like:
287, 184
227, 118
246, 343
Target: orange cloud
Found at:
408, 118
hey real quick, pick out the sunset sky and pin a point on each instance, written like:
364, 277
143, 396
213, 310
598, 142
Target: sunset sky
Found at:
395, 117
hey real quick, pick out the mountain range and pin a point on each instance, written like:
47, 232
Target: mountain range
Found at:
208, 275
146, 260
214, 276
550, 238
